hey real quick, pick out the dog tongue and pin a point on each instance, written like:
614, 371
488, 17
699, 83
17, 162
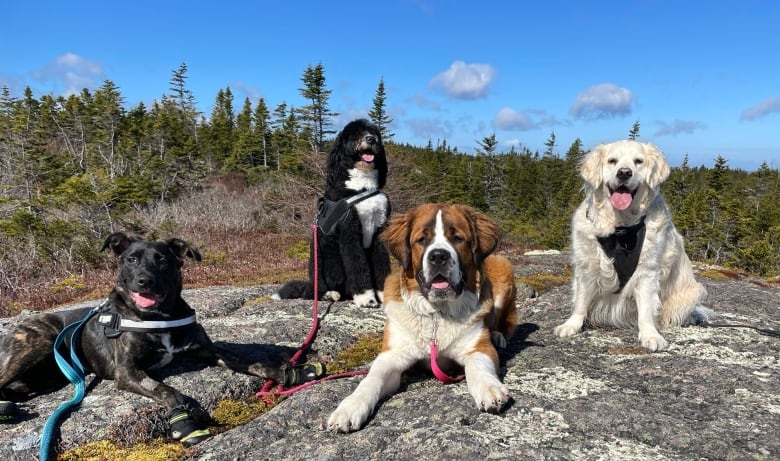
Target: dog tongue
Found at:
143, 301
367, 157
440, 284
621, 200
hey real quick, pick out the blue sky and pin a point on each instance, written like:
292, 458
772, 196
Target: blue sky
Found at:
702, 78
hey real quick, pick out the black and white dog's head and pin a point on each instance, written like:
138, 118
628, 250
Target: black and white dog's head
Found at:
357, 159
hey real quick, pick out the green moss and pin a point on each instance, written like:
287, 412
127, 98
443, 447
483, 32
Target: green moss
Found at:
358, 355
544, 281
74, 282
299, 251
718, 274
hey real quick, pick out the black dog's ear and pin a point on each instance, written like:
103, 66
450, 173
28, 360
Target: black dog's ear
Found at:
182, 249
118, 242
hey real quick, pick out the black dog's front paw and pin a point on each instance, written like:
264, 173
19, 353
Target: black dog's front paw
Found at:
8, 411
184, 426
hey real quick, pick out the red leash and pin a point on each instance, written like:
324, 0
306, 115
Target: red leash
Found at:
266, 392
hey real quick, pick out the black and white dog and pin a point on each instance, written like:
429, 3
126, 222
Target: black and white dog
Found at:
353, 262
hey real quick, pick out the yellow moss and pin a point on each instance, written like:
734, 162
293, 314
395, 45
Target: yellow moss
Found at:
283, 277
74, 282
217, 257
299, 251
104, 450
231, 413
543, 281
718, 274
358, 355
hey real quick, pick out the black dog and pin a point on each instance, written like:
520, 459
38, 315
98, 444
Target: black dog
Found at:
142, 325
353, 263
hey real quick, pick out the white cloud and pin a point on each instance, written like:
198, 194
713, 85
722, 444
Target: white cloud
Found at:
605, 100
677, 127
72, 72
761, 109
465, 81
510, 119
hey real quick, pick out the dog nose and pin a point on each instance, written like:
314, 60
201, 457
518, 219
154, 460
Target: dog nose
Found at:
624, 173
438, 257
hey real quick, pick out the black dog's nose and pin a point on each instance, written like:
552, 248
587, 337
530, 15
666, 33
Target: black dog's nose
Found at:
438, 257
371, 140
624, 173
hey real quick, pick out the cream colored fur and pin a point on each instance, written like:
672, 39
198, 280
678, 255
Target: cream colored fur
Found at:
662, 291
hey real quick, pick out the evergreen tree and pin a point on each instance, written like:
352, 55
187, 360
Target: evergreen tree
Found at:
633, 133
378, 113
263, 131
315, 117
549, 145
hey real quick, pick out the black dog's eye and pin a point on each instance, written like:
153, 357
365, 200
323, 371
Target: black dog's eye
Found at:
132, 259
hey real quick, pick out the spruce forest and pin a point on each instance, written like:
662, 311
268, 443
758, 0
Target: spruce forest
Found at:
241, 183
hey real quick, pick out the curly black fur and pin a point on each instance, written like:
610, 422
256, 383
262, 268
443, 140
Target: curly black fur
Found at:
353, 262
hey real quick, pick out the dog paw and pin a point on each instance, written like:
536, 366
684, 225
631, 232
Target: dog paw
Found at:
566, 329
331, 295
349, 416
652, 341
366, 299
490, 396
276, 297
498, 340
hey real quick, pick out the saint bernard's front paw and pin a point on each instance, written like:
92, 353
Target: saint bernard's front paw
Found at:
350, 415
488, 393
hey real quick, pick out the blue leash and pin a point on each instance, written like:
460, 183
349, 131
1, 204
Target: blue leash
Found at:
75, 375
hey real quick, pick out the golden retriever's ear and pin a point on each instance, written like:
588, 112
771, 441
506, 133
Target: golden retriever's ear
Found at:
590, 169
659, 168
396, 236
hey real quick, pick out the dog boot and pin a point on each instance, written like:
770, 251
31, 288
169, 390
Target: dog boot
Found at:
299, 374
8, 411
184, 429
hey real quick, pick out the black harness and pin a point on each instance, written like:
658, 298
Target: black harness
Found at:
624, 247
331, 214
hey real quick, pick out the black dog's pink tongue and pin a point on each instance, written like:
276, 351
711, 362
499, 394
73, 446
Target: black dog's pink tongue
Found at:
621, 199
142, 300
367, 157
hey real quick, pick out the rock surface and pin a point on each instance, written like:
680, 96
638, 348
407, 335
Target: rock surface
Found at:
713, 394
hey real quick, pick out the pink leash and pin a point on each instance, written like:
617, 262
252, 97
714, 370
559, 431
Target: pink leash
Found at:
280, 390
438, 372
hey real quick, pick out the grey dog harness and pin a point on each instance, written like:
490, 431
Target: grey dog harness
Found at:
624, 247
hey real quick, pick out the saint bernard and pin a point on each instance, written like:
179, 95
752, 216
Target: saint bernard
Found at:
447, 293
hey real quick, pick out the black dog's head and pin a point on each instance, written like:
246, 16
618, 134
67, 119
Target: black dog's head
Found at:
357, 147
149, 271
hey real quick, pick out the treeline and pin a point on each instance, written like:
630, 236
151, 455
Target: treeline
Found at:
75, 168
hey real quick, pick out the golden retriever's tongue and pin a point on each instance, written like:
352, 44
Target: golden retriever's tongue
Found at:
621, 200
367, 158
143, 301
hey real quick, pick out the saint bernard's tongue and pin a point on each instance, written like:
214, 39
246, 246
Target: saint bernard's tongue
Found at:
440, 283
368, 158
144, 301
621, 198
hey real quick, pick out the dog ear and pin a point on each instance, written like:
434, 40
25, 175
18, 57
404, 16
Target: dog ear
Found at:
486, 234
183, 249
118, 242
590, 168
659, 167
396, 237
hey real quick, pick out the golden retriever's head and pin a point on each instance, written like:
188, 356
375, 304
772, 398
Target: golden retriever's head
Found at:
625, 171
441, 247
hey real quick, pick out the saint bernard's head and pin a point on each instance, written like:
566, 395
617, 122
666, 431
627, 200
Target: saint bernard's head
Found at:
441, 248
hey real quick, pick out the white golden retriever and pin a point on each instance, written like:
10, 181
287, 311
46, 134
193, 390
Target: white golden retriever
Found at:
630, 266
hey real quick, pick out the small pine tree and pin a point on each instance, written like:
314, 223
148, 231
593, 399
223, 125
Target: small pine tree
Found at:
633, 133
378, 114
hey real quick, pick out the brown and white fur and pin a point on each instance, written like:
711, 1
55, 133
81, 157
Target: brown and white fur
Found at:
622, 182
448, 287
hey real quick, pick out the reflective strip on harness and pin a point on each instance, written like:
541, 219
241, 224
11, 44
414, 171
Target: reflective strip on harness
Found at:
116, 322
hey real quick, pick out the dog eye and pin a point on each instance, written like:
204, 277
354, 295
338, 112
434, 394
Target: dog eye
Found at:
638, 161
132, 259
612, 161
420, 241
